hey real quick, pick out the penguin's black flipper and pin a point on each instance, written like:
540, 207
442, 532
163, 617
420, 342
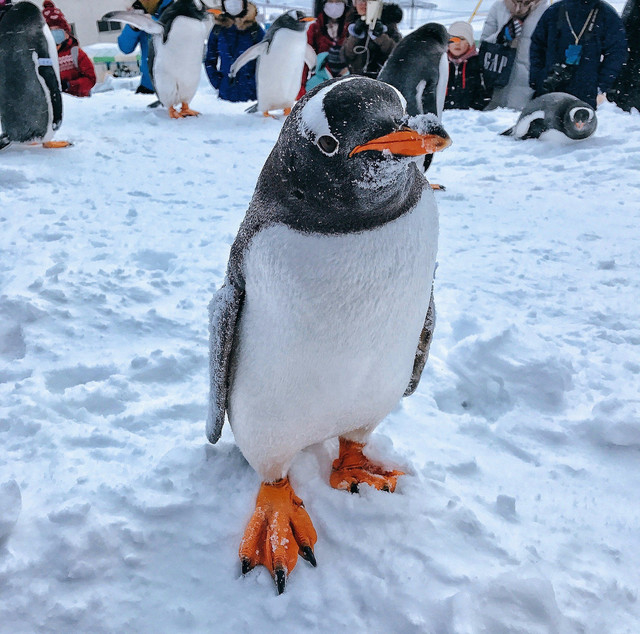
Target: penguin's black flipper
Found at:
50, 78
252, 109
224, 310
508, 132
424, 343
137, 20
5, 141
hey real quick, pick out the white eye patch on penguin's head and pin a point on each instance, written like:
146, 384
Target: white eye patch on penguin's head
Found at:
580, 116
360, 116
344, 158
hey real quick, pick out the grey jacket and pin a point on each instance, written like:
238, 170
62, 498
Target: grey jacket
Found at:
517, 92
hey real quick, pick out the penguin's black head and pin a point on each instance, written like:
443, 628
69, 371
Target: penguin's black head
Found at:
345, 157
294, 20
580, 121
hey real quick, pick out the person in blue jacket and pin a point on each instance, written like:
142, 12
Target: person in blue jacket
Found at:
578, 47
131, 37
235, 30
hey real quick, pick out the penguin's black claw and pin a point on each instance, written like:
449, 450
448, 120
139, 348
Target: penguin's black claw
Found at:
246, 566
307, 553
354, 488
280, 579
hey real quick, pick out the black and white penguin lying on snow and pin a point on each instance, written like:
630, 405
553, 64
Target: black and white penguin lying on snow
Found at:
555, 111
175, 50
326, 314
30, 97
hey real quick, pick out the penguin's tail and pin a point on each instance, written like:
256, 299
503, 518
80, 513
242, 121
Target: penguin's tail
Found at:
508, 132
252, 109
5, 141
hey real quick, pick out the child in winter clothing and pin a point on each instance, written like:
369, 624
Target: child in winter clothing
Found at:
131, 37
466, 87
235, 30
77, 74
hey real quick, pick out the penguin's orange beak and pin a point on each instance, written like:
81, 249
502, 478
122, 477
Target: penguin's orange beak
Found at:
405, 142
307, 20
215, 11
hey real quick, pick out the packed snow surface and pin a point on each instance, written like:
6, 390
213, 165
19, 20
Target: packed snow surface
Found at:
519, 511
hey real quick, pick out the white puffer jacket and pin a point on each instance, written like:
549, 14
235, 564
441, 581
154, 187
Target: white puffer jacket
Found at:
517, 92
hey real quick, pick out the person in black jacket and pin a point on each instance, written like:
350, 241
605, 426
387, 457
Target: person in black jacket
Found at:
578, 47
626, 92
466, 89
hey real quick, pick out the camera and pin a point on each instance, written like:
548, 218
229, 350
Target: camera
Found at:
558, 77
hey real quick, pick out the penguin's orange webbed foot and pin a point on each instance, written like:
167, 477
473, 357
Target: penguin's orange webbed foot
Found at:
286, 112
51, 145
352, 468
185, 111
174, 114
279, 530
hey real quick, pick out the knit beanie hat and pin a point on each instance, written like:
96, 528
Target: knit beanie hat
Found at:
463, 30
54, 17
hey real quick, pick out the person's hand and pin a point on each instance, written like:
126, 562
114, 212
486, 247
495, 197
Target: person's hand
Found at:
601, 98
378, 29
359, 27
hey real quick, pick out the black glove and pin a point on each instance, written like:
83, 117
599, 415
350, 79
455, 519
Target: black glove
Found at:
359, 27
64, 84
378, 29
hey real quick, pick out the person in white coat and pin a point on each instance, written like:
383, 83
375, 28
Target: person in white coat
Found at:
512, 22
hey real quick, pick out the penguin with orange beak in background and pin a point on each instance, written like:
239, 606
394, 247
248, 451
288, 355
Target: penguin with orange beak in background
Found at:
326, 314
281, 56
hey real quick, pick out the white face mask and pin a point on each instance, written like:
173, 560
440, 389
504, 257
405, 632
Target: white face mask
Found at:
234, 7
334, 9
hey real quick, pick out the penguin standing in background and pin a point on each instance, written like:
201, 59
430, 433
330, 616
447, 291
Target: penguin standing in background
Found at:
30, 99
555, 111
626, 90
281, 57
419, 68
326, 314
175, 50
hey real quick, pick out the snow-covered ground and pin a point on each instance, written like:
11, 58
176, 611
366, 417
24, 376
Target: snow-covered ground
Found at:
520, 511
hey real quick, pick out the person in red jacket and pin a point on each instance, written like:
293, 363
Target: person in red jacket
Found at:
77, 74
327, 35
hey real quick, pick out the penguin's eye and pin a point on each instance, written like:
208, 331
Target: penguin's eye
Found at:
328, 144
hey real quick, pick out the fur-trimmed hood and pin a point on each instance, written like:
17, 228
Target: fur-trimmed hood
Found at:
246, 21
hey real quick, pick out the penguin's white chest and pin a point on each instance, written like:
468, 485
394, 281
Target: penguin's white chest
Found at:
279, 70
328, 333
177, 62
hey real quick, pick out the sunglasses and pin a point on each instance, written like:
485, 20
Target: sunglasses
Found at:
455, 40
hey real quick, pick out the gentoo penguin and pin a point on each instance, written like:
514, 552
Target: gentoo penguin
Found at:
281, 56
30, 99
326, 313
419, 68
555, 111
175, 50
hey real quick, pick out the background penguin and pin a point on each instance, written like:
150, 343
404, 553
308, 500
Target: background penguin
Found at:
419, 68
175, 50
30, 99
326, 314
555, 111
281, 56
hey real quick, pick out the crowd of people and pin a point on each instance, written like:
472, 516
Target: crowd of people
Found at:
573, 46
